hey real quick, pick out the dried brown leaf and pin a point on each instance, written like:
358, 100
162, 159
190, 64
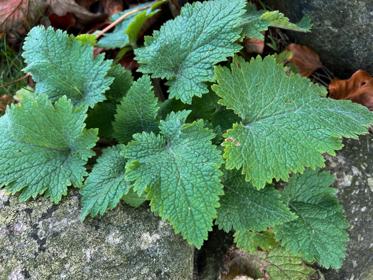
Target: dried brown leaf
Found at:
304, 59
20, 14
4, 101
359, 89
253, 45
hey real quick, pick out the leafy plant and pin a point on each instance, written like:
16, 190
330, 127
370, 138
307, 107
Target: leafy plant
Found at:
212, 152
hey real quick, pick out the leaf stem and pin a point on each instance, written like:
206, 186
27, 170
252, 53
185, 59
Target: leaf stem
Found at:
122, 18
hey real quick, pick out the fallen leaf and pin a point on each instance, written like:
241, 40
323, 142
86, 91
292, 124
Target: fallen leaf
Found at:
4, 101
358, 88
63, 7
15, 14
305, 59
112, 7
253, 45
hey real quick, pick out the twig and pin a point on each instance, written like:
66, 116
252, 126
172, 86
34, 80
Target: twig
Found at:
15, 81
121, 18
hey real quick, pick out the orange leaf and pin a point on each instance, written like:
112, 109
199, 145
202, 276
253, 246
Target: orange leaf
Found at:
304, 59
359, 89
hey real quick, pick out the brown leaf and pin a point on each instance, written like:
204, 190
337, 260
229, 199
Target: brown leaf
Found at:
20, 14
359, 89
4, 101
253, 45
62, 7
112, 7
304, 59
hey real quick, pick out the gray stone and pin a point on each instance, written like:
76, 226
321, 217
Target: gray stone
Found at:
353, 167
40, 241
342, 31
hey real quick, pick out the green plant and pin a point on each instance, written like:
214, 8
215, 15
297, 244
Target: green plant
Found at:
270, 123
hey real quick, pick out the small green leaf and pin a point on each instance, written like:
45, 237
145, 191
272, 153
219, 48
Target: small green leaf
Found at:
285, 266
126, 33
250, 241
133, 199
137, 111
60, 65
256, 22
106, 184
243, 207
179, 171
185, 49
287, 123
320, 232
44, 147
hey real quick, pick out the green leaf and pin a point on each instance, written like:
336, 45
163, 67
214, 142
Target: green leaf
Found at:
44, 147
250, 241
137, 112
285, 266
320, 232
87, 39
106, 184
185, 49
255, 22
286, 121
133, 199
102, 115
179, 170
122, 83
126, 33
243, 207
60, 65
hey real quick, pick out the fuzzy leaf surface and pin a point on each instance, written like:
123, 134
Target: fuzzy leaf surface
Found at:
320, 232
287, 123
61, 65
137, 111
185, 49
243, 207
106, 184
44, 147
179, 170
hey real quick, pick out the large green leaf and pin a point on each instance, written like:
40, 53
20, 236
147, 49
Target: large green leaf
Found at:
137, 111
44, 147
320, 232
106, 184
287, 123
179, 170
61, 65
243, 207
185, 49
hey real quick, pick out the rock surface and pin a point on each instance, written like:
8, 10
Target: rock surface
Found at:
40, 241
342, 31
353, 167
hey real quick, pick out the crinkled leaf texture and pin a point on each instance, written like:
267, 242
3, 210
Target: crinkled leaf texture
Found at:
102, 115
137, 111
256, 22
185, 49
61, 65
320, 232
283, 265
179, 170
106, 184
243, 207
287, 122
44, 147
250, 241
126, 33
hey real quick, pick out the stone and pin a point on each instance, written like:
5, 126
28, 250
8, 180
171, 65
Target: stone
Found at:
342, 32
353, 168
40, 241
